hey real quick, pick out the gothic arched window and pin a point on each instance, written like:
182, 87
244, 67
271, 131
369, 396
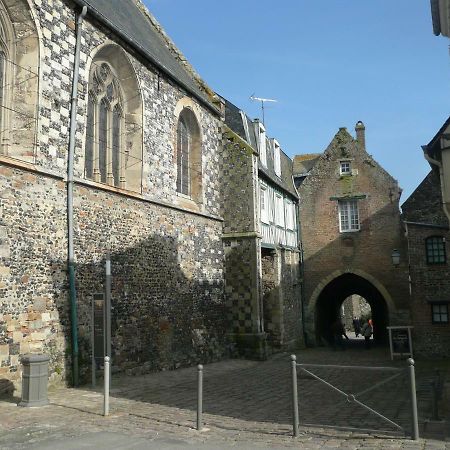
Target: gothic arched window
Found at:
105, 128
183, 145
188, 156
6, 73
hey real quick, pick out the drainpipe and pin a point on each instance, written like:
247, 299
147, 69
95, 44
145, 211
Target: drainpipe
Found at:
437, 163
71, 262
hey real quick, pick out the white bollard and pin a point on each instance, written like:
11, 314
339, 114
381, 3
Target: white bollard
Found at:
106, 388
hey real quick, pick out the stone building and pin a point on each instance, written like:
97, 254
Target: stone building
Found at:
144, 143
440, 14
350, 226
261, 239
427, 232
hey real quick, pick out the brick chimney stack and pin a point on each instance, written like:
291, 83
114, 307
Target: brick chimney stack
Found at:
361, 134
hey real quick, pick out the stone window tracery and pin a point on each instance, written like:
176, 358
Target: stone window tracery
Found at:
19, 80
105, 153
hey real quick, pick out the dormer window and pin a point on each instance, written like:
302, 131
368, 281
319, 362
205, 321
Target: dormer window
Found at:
345, 168
262, 144
276, 158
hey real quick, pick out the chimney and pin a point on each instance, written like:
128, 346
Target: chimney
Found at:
361, 134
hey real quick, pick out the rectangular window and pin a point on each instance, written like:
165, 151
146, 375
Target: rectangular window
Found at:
348, 215
279, 210
262, 145
276, 158
345, 168
439, 313
435, 249
264, 204
290, 216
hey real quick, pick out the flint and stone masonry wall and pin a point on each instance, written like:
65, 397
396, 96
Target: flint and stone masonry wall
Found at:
166, 250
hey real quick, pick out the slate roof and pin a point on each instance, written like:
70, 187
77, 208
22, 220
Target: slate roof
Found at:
433, 148
126, 20
424, 205
243, 126
304, 163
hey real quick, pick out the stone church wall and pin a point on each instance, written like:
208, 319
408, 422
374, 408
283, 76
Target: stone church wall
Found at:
166, 250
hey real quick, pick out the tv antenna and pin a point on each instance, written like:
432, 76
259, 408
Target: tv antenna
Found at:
262, 100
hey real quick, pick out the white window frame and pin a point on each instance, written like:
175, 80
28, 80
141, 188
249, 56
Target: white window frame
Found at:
349, 220
279, 211
262, 147
276, 158
264, 204
290, 215
345, 167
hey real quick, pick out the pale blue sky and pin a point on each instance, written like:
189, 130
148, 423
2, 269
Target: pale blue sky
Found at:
329, 63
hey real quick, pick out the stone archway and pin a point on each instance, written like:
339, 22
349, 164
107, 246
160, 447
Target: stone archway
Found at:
327, 298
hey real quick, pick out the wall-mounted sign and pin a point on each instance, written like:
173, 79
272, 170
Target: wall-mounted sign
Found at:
400, 341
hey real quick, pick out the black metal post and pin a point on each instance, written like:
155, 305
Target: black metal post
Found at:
294, 395
415, 420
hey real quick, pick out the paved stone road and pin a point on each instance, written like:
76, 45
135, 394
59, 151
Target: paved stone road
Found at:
247, 404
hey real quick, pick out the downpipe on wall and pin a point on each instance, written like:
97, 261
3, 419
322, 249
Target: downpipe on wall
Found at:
70, 231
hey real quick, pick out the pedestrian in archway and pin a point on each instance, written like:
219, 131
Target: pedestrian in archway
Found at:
357, 326
367, 332
338, 331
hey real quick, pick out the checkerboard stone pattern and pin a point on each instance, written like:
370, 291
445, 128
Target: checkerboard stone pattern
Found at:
242, 293
239, 181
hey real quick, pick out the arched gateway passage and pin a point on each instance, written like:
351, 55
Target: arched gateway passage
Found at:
329, 302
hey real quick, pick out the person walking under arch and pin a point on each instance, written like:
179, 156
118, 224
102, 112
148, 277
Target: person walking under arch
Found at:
357, 326
367, 332
338, 331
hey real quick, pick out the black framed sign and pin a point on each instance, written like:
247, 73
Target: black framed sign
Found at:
400, 341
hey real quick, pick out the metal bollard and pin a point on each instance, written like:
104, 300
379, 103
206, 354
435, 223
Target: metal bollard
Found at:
294, 395
200, 398
412, 381
106, 388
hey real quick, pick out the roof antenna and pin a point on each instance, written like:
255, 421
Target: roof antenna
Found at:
262, 100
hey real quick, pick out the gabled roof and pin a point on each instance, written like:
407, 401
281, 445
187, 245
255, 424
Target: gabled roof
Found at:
130, 21
304, 163
243, 126
343, 137
424, 205
433, 148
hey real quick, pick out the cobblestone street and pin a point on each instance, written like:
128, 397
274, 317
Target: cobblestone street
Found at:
247, 404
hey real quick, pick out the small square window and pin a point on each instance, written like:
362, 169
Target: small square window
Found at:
435, 250
439, 312
345, 168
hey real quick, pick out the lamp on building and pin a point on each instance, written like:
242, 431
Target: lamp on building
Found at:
395, 257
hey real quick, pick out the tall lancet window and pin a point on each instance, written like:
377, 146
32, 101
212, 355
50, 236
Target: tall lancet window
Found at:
2, 87
7, 52
104, 152
183, 149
